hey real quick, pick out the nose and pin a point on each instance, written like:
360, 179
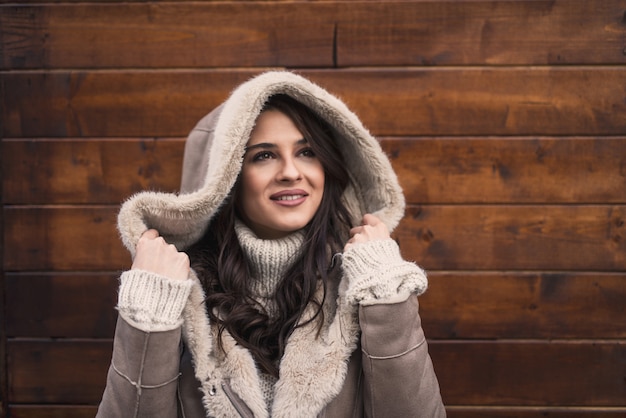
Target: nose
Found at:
289, 170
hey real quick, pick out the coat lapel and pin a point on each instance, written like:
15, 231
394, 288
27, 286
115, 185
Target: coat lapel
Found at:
312, 370
213, 368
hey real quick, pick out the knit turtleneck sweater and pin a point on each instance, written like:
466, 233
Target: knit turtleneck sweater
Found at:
269, 261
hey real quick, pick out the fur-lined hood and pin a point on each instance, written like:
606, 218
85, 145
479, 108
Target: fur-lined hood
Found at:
214, 155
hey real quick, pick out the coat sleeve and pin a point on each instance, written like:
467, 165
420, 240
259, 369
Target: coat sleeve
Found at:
143, 376
399, 378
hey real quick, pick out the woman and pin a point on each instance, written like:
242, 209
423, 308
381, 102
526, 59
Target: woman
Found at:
297, 302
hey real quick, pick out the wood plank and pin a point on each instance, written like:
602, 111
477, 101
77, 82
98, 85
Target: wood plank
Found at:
159, 34
3, 337
470, 373
89, 171
278, 34
431, 169
533, 412
543, 305
517, 237
391, 102
532, 373
481, 32
38, 370
466, 305
81, 104
510, 170
482, 100
63, 411
63, 238
77, 305
52, 411
439, 237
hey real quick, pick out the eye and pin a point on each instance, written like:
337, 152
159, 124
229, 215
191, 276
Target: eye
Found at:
262, 156
307, 152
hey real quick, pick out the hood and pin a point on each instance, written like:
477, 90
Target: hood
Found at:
214, 154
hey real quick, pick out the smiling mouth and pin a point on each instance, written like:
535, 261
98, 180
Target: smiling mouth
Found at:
289, 197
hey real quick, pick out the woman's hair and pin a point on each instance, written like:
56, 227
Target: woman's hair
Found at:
221, 265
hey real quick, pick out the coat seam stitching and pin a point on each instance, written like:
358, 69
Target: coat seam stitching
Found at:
139, 378
415, 347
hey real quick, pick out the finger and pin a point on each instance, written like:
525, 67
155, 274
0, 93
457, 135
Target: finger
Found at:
356, 230
150, 234
369, 219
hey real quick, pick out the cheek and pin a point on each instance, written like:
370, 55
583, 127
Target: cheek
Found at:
250, 187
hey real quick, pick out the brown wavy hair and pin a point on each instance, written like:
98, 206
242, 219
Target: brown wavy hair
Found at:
223, 270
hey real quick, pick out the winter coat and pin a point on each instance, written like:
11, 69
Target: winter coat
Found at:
370, 358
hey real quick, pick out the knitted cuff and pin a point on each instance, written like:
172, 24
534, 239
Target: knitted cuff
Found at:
151, 302
377, 273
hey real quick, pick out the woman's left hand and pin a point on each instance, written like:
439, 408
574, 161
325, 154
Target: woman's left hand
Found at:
371, 229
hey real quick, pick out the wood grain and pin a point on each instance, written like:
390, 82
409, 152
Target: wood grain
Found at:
458, 237
431, 170
533, 412
76, 305
532, 373
440, 237
59, 411
52, 411
528, 373
38, 370
63, 239
457, 305
508, 305
167, 35
160, 34
86, 172
464, 101
484, 100
482, 32
510, 170
81, 103
516, 237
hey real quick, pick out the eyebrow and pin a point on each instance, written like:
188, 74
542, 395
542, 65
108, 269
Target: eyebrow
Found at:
266, 145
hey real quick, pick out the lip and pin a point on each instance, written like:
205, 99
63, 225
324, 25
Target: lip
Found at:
292, 197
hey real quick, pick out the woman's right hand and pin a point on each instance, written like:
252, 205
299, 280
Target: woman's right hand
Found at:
155, 255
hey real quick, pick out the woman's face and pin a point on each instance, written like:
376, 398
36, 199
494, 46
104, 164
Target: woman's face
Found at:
282, 181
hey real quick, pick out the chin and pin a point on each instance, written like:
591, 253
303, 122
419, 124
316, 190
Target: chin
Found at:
290, 228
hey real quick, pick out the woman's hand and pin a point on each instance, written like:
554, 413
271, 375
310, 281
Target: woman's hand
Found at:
371, 229
155, 255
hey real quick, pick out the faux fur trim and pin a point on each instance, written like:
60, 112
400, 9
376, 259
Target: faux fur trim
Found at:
313, 370
182, 219
213, 367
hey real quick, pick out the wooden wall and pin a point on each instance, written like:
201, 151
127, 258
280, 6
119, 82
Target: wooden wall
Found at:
505, 120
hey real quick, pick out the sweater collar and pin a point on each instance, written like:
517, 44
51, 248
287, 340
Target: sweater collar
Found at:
269, 260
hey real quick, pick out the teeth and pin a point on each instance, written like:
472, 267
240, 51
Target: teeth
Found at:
290, 197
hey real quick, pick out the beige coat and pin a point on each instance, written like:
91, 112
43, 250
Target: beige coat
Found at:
370, 360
